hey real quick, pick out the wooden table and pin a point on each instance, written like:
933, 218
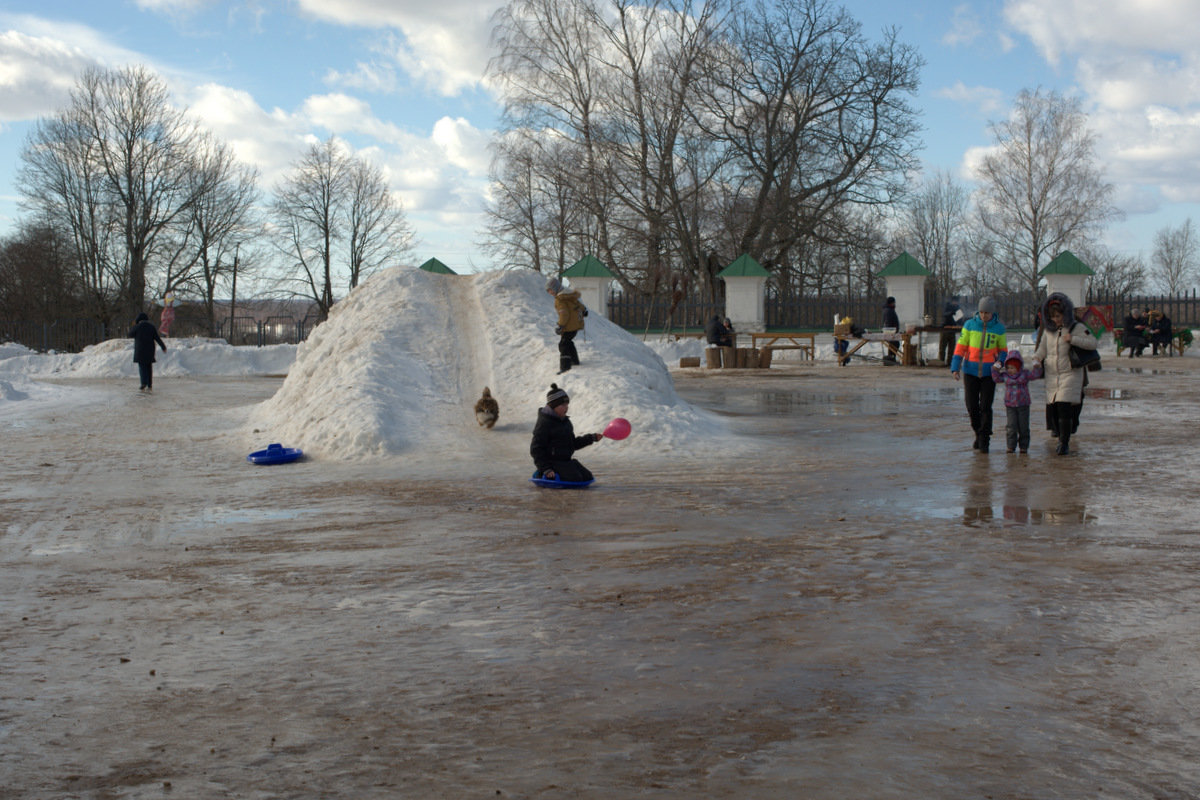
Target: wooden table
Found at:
898, 344
806, 343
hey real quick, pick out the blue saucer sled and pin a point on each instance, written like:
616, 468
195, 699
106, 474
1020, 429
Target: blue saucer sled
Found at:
275, 454
557, 484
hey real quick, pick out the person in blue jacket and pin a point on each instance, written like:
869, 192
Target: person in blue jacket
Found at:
144, 336
982, 343
554, 441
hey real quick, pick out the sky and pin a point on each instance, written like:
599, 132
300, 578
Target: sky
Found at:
402, 82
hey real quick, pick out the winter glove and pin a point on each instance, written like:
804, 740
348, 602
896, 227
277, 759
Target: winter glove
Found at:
558, 330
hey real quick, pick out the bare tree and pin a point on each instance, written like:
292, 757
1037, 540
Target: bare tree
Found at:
1040, 188
331, 198
933, 228
1176, 257
306, 209
38, 281
114, 162
376, 229
814, 118
223, 216
63, 186
702, 129
1115, 274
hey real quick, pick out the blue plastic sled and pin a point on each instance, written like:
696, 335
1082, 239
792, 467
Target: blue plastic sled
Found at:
557, 484
275, 454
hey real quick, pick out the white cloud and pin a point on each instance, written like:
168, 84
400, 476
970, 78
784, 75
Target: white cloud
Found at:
964, 27
1058, 27
984, 100
445, 45
1137, 71
367, 77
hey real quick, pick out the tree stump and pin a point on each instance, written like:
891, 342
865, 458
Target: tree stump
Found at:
689, 361
764, 358
712, 357
728, 357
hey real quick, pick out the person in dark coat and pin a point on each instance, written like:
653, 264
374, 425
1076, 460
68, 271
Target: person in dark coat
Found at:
144, 336
1134, 336
951, 314
554, 440
716, 332
890, 320
1160, 332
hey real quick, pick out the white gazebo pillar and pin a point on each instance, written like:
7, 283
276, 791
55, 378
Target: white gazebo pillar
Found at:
591, 279
594, 294
1067, 274
745, 282
909, 291
904, 277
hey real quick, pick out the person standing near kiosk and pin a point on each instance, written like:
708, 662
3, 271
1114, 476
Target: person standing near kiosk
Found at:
981, 343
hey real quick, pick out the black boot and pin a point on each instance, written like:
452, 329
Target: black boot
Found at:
975, 444
1066, 419
564, 364
984, 442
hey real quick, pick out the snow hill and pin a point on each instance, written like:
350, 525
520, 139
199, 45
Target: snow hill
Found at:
400, 362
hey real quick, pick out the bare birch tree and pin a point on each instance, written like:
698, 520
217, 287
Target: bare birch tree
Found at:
335, 221
933, 228
1041, 190
1176, 257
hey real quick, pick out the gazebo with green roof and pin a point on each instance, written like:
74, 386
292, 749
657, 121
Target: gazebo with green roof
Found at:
744, 282
433, 265
591, 278
905, 281
1067, 274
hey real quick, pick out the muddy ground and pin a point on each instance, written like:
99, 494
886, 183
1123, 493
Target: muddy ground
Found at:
863, 608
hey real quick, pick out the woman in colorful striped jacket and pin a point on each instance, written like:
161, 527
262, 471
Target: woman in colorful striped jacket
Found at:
981, 344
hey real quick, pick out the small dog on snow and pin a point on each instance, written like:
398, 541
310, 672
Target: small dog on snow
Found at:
487, 410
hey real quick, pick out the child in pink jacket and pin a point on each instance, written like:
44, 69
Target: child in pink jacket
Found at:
1016, 380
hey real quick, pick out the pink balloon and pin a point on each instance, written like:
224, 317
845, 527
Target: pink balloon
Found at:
617, 429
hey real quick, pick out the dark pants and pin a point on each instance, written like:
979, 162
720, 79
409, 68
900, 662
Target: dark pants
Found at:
567, 354
1016, 432
979, 395
1135, 343
946, 344
571, 471
146, 373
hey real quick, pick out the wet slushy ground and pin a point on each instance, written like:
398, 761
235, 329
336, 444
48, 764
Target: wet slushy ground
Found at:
864, 607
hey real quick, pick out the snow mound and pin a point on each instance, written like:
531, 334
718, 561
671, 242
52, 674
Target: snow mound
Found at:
400, 362
114, 359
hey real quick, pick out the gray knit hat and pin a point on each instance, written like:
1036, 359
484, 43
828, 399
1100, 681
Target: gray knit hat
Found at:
986, 303
554, 285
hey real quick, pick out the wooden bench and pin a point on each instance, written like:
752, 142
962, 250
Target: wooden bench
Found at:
1177, 344
675, 337
804, 342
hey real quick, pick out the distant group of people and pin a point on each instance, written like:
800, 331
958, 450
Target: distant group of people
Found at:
1146, 327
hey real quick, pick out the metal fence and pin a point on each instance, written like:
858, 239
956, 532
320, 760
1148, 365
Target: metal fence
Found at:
1018, 310
657, 315
61, 335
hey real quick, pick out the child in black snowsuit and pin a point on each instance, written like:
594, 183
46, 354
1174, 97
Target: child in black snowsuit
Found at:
554, 441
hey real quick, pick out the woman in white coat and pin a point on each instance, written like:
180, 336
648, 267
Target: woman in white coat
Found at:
1064, 383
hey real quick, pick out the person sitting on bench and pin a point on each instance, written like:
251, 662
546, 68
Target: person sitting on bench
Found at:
717, 333
1134, 335
1160, 332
